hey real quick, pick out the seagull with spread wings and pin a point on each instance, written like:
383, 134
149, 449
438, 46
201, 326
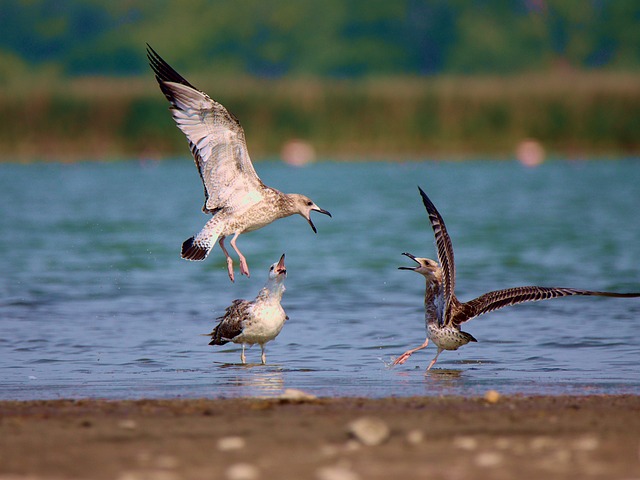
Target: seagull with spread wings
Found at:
444, 313
234, 194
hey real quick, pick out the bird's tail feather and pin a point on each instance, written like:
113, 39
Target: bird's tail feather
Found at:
194, 250
199, 246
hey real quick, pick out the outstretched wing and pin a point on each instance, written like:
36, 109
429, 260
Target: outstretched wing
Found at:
512, 296
444, 250
216, 139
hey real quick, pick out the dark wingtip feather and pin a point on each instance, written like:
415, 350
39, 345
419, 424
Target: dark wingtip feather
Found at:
193, 251
216, 339
163, 71
431, 208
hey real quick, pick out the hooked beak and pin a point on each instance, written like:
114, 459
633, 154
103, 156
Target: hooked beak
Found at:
412, 257
280, 268
320, 210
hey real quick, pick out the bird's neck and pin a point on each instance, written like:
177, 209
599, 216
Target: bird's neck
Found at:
287, 204
272, 291
432, 290
433, 301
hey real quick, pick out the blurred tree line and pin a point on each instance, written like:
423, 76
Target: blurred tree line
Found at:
334, 38
352, 77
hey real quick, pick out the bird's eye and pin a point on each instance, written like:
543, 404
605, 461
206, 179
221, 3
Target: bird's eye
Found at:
309, 204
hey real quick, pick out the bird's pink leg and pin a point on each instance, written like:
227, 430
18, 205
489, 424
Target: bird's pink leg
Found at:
244, 268
229, 259
434, 359
405, 356
242, 355
264, 355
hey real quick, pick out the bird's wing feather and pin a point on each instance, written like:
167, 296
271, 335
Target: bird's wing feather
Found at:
444, 250
216, 139
231, 324
512, 296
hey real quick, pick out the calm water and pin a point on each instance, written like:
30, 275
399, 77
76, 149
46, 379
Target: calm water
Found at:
96, 302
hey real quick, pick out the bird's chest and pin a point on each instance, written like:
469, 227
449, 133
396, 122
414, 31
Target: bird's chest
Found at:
256, 217
266, 321
446, 338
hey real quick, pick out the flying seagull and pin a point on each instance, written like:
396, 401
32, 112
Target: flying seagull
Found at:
257, 321
234, 194
444, 313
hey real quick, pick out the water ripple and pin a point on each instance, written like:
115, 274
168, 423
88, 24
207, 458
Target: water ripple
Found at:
99, 304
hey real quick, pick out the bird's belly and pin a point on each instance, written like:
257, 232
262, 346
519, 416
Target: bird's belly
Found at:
447, 338
266, 325
253, 219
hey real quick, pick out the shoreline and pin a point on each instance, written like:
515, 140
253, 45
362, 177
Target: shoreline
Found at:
585, 436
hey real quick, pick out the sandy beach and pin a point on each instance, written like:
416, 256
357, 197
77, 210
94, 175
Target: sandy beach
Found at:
326, 439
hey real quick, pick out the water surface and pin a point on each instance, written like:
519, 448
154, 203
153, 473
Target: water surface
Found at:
96, 302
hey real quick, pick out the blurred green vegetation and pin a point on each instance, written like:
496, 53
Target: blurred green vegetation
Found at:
576, 114
338, 38
353, 77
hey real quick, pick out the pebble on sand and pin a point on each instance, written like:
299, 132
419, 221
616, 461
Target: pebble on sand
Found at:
369, 431
492, 396
242, 471
465, 443
414, 437
337, 472
128, 424
226, 444
294, 395
488, 459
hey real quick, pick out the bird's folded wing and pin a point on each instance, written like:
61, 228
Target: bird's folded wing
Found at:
232, 322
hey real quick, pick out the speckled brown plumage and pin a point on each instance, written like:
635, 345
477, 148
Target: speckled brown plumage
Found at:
234, 194
256, 321
231, 323
444, 313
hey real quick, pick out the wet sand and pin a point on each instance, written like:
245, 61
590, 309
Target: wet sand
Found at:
445, 438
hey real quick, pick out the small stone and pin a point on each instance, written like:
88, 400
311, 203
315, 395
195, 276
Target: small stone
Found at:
492, 396
542, 443
337, 472
414, 437
369, 431
488, 459
465, 443
226, 444
586, 444
294, 395
242, 471
128, 424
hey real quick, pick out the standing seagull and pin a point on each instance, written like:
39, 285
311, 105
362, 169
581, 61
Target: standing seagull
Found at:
234, 194
444, 312
257, 321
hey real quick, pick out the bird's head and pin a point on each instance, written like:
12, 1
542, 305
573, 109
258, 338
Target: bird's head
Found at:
278, 271
425, 266
304, 206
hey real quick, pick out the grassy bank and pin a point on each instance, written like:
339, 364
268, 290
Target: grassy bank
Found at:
570, 114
